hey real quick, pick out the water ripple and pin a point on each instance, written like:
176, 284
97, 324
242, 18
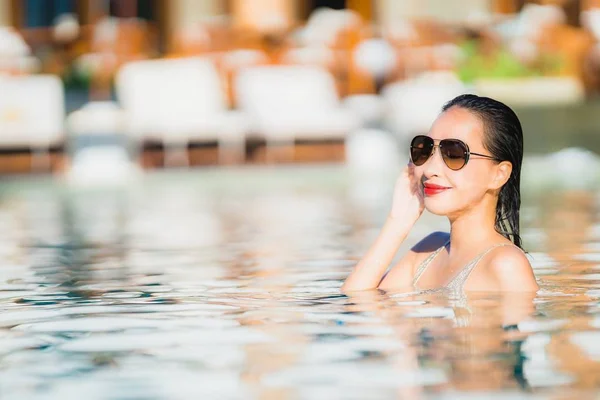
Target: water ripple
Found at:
225, 284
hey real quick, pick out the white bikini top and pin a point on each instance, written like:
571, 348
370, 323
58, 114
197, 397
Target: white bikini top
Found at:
457, 283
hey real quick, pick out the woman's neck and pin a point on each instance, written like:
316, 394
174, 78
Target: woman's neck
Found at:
472, 228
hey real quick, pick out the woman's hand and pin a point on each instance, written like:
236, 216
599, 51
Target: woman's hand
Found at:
408, 204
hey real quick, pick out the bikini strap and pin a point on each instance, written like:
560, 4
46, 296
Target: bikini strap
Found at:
423, 266
460, 279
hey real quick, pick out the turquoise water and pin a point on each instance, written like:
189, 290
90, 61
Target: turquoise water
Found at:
225, 284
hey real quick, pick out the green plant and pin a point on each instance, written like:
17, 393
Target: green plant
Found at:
501, 64
77, 78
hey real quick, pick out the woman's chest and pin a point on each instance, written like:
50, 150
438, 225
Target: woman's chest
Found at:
437, 274
459, 274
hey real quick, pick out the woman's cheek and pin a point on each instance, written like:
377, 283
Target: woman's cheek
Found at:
471, 192
466, 192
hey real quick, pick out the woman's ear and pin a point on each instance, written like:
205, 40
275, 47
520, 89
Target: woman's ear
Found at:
503, 171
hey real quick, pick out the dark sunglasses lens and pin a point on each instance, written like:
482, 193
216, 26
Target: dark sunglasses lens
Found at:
420, 149
454, 153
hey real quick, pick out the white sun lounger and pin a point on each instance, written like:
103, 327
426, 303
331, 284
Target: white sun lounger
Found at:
177, 101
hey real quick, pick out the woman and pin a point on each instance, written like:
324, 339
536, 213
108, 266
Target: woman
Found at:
467, 168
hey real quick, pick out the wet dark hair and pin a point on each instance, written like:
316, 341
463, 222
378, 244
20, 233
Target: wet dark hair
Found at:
503, 138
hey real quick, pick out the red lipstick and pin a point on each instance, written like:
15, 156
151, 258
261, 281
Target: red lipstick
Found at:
431, 189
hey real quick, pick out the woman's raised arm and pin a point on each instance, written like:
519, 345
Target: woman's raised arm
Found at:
407, 207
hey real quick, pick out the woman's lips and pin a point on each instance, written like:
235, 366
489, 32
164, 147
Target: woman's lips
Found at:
431, 189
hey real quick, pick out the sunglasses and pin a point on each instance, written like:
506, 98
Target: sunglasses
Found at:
455, 153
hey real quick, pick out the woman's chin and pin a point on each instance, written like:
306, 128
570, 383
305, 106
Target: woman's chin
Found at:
436, 207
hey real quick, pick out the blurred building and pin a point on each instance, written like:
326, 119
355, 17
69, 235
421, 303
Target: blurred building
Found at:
177, 14
357, 63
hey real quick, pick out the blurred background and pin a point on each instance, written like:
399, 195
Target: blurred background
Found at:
184, 185
90, 88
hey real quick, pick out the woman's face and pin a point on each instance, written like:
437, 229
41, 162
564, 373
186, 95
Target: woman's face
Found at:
465, 188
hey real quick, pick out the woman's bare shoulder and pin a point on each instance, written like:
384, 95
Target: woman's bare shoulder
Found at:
510, 267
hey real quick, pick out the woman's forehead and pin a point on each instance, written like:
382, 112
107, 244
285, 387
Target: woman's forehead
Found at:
457, 123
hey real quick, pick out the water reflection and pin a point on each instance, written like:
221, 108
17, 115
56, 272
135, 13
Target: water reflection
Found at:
226, 284
567, 218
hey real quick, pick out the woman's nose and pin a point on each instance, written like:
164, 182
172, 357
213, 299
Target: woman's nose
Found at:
434, 165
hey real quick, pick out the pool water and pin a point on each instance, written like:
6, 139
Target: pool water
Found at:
225, 284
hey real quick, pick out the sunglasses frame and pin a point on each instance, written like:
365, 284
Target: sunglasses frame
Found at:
467, 155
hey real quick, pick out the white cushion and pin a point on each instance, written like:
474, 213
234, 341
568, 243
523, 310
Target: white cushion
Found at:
32, 111
179, 97
333, 124
285, 101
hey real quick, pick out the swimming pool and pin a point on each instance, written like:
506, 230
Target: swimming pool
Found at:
223, 283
